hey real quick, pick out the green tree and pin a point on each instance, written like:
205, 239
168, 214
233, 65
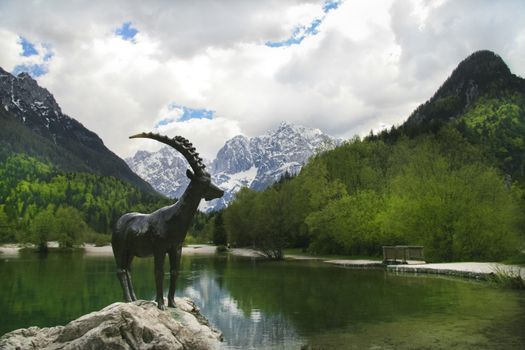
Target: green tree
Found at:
456, 213
296, 206
348, 225
499, 125
6, 228
202, 227
239, 220
320, 185
269, 233
42, 228
70, 226
219, 232
28, 186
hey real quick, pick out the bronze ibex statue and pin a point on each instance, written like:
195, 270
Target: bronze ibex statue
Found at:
163, 231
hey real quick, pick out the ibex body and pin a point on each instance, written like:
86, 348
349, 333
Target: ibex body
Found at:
163, 231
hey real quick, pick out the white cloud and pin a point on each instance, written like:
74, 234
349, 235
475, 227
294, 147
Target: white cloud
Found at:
10, 53
370, 64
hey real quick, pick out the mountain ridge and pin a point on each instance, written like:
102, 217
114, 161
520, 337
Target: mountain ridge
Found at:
33, 123
254, 162
451, 181
483, 100
481, 73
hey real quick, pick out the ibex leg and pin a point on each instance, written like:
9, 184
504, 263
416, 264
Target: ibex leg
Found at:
159, 277
175, 256
122, 276
128, 278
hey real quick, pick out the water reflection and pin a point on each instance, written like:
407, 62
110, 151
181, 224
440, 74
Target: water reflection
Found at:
279, 305
251, 329
283, 305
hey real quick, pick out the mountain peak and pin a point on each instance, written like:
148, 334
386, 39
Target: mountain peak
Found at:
286, 128
483, 73
24, 75
282, 127
33, 123
238, 138
481, 68
484, 61
285, 125
22, 96
254, 162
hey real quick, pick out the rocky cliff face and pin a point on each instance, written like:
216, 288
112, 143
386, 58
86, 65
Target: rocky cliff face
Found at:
32, 104
33, 123
255, 162
137, 325
165, 170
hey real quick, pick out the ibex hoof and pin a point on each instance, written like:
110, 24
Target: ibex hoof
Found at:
161, 305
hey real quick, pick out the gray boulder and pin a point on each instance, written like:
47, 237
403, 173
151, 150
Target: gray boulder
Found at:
136, 325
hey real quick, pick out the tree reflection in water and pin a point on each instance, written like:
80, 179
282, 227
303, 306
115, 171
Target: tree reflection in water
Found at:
262, 304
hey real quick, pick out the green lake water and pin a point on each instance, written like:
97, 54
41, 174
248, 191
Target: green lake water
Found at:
277, 305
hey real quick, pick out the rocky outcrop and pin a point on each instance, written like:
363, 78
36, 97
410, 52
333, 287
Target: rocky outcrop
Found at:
136, 325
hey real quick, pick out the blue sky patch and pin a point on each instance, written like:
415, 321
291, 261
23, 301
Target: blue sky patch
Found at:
301, 32
28, 48
34, 70
183, 113
312, 28
296, 38
126, 31
331, 5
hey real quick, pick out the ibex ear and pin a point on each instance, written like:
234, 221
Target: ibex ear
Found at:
189, 174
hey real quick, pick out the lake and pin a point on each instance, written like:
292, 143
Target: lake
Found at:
277, 305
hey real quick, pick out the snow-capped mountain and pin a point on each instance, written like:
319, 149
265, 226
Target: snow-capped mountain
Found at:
255, 162
165, 170
32, 122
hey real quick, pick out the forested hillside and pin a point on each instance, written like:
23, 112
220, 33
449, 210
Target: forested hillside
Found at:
33, 123
486, 103
451, 178
40, 201
58, 181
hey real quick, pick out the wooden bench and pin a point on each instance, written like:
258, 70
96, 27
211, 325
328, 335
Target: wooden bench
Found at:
401, 254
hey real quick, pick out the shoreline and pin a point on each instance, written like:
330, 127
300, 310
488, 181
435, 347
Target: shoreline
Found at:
475, 270
89, 249
13, 250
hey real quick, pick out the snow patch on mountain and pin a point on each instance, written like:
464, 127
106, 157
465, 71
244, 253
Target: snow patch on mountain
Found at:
255, 162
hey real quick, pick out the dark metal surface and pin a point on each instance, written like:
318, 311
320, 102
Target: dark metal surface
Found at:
163, 231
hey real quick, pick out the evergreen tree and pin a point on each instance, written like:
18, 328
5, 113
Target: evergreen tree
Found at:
219, 232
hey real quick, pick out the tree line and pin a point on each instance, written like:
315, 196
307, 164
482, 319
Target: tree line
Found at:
437, 190
456, 188
39, 202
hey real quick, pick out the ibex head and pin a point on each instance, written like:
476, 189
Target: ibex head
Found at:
199, 177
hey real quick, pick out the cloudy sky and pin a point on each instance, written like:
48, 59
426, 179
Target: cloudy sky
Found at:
209, 70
